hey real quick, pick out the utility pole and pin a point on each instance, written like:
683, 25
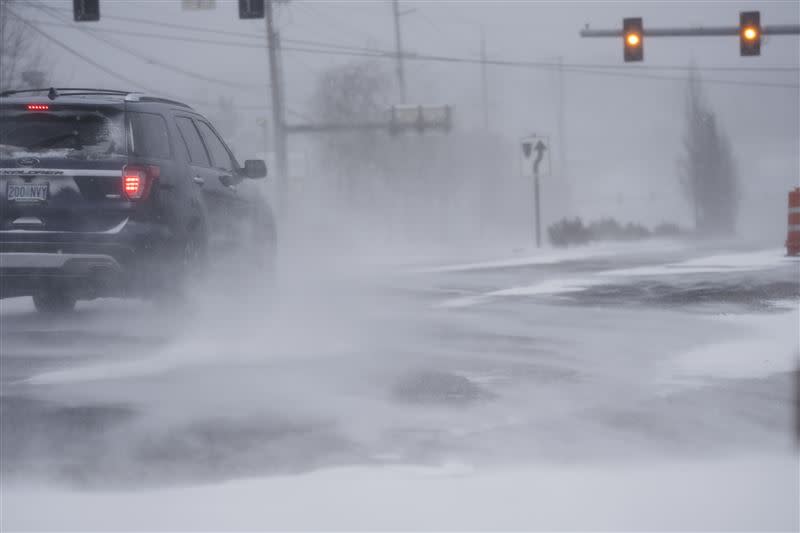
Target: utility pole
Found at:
484, 83
401, 79
279, 120
562, 150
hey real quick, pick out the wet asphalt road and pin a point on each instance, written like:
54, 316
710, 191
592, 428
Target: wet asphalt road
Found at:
412, 368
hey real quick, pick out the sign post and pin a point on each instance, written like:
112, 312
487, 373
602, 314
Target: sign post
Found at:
533, 150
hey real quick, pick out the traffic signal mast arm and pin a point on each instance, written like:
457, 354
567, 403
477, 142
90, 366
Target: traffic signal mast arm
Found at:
335, 126
749, 31
401, 118
699, 31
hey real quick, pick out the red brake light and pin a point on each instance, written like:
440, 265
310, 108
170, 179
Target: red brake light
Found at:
137, 180
133, 184
38, 107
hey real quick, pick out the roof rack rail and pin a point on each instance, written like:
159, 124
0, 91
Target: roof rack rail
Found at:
163, 101
56, 91
140, 97
130, 96
20, 91
85, 90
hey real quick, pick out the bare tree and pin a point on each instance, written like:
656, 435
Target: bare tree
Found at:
21, 63
708, 171
354, 93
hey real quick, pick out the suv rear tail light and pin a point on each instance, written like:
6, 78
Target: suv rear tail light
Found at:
137, 180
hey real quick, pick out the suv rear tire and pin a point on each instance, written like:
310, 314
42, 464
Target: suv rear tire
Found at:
52, 301
184, 272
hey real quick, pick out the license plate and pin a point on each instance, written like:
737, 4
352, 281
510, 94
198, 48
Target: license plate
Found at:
27, 192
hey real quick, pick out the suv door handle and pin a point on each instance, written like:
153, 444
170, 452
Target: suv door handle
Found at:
198, 180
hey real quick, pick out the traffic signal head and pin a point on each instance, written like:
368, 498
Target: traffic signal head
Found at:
86, 10
750, 33
633, 36
251, 9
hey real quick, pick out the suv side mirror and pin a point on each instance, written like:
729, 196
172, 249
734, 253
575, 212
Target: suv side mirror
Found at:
255, 168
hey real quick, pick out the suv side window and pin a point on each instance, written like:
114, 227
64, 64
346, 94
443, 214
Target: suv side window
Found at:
149, 136
220, 157
191, 139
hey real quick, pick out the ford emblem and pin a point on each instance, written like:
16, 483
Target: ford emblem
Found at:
27, 162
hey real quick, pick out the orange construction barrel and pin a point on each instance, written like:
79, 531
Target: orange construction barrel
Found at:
793, 234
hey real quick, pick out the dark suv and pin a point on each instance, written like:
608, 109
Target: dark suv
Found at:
112, 193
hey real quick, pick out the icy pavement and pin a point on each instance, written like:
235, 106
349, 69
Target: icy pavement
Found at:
610, 388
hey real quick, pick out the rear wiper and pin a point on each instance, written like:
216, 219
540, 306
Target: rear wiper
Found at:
46, 143
77, 154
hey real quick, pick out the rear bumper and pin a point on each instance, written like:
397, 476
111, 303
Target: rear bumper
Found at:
90, 265
74, 263
85, 275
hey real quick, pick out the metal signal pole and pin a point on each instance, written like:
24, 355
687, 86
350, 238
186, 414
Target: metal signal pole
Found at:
278, 113
484, 83
699, 31
401, 79
536, 206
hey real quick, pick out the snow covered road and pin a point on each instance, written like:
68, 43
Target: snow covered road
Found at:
611, 388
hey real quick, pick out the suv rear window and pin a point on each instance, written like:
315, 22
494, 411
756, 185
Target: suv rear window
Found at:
74, 132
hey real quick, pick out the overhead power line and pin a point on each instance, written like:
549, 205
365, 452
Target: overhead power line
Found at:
260, 46
149, 59
329, 48
155, 23
136, 83
577, 68
330, 19
131, 81
592, 70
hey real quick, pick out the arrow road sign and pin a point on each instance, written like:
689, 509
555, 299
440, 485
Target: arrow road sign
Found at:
539, 148
533, 155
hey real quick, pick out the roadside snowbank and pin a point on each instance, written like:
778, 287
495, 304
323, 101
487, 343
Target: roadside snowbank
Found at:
551, 256
741, 262
764, 345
